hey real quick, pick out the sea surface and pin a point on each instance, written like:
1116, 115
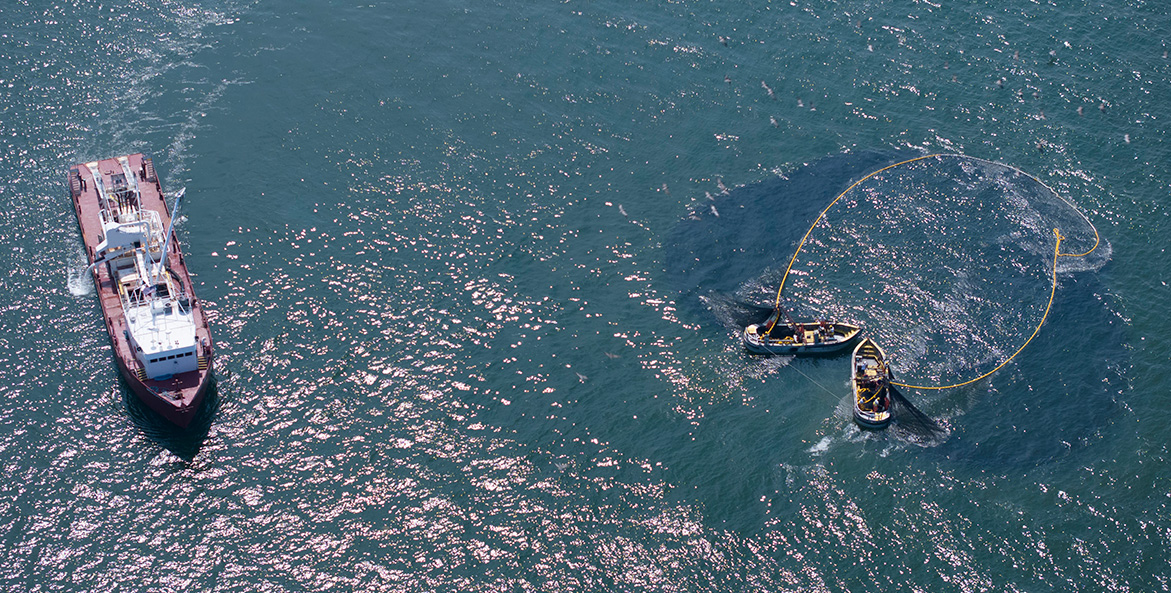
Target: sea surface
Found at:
475, 272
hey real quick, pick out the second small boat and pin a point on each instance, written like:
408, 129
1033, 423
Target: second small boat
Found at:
777, 336
871, 383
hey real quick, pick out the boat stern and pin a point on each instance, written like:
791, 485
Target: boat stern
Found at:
872, 420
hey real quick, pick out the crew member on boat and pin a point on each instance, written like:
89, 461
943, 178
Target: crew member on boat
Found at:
876, 386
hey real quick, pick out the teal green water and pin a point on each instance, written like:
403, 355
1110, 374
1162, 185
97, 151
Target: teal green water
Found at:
473, 270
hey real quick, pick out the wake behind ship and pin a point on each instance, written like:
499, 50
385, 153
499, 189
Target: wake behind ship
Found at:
159, 332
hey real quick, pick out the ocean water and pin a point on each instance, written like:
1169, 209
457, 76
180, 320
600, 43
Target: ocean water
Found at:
474, 271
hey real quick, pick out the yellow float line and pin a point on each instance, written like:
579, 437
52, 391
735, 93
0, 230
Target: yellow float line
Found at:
1052, 293
1056, 254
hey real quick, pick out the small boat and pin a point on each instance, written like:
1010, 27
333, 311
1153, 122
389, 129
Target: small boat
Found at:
774, 336
161, 339
871, 385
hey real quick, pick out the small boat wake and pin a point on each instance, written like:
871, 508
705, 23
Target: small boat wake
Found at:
909, 426
821, 447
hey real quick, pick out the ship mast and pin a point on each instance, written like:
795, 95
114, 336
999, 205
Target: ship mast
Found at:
154, 277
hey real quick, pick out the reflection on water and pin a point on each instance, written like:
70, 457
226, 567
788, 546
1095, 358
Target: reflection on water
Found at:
455, 254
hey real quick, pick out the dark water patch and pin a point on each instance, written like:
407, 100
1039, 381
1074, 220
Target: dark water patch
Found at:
731, 238
911, 424
1057, 398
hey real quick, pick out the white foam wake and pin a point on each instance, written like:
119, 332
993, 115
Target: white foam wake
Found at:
79, 282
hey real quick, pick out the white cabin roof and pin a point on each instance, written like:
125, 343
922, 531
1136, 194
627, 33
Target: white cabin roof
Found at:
164, 329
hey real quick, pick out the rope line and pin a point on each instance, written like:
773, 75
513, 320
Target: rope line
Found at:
1057, 254
1052, 292
831, 205
815, 382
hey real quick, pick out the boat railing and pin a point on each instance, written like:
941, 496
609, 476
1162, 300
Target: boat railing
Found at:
135, 298
154, 230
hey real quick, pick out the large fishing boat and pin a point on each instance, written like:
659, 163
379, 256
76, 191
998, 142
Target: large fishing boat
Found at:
159, 332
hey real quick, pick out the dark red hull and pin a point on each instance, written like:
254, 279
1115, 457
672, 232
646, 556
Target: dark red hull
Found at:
179, 397
181, 414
